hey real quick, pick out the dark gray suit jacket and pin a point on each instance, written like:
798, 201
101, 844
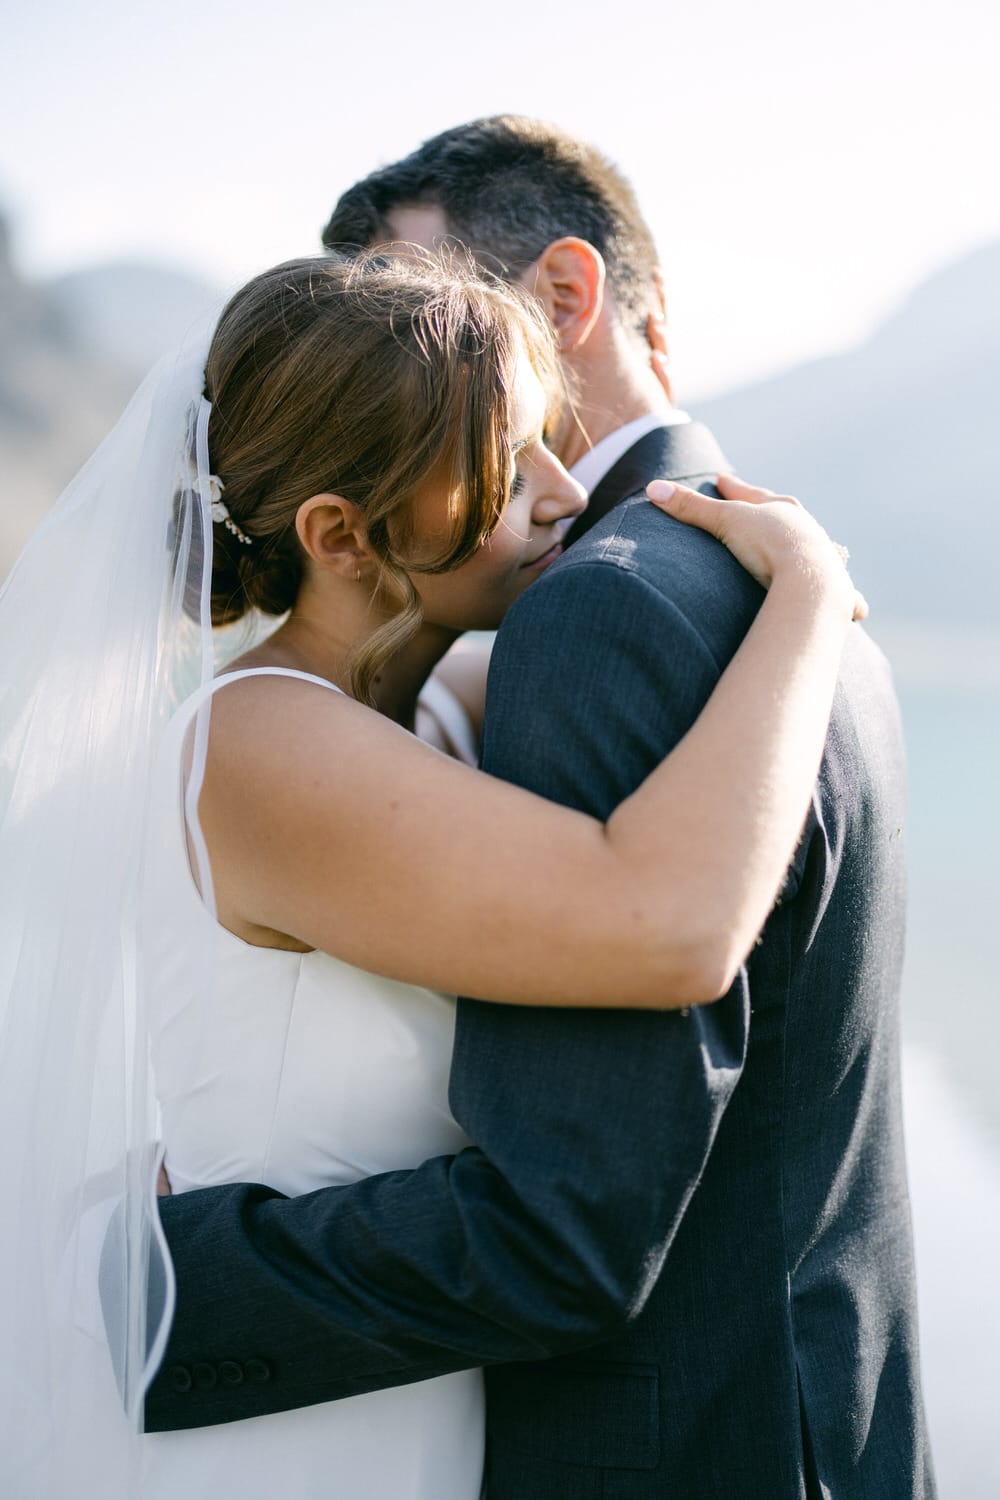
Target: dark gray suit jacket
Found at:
681, 1245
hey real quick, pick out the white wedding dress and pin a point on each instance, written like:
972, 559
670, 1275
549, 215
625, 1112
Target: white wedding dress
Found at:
298, 1071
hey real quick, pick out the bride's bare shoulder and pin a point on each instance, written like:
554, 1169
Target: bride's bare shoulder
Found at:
271, 724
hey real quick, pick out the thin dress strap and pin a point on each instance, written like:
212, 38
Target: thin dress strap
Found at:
200, 703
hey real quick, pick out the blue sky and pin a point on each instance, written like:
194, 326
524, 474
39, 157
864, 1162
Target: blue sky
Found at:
803, 165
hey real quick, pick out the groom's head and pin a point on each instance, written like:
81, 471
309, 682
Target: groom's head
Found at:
539, 207
506, 188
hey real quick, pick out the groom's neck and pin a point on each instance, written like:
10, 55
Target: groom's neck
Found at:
612, 382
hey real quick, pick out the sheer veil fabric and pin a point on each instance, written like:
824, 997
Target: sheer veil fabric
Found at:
104, 628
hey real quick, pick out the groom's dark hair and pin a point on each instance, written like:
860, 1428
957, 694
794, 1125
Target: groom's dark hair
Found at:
508, 186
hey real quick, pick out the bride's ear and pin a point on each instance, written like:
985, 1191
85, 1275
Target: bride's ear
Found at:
333, 535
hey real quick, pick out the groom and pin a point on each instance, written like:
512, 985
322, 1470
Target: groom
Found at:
681, 1243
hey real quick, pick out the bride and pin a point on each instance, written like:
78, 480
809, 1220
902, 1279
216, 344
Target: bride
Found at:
263, 898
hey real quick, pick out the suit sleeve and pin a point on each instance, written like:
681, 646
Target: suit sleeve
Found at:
591, 1127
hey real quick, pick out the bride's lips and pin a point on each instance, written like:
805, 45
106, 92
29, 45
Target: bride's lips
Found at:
545, 558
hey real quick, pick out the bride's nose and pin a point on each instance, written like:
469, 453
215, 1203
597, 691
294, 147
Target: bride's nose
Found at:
559, 495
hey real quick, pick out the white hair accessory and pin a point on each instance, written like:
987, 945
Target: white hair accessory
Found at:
220, 511
214, 486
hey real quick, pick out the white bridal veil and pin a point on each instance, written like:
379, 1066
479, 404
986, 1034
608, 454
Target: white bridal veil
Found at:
103, 628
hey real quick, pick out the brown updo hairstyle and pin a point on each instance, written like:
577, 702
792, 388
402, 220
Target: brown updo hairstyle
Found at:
361, 378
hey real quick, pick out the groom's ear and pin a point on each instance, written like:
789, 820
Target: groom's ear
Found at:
568, 279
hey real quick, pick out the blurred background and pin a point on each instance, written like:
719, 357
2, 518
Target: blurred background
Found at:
822, 182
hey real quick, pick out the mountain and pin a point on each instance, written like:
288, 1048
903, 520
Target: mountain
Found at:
58, 397
895, 446
72, 351
132, 312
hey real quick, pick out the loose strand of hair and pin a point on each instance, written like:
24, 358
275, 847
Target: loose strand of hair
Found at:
394, 589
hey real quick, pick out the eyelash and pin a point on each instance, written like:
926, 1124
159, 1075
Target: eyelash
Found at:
516, 484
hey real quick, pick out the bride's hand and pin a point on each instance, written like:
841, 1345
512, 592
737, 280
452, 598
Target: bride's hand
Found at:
765, 532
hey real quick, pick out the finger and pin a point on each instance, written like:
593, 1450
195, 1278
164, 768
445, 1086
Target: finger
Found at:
689, 506
661, 492
732, 488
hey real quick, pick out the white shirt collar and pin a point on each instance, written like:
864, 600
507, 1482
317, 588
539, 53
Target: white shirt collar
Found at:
599, 460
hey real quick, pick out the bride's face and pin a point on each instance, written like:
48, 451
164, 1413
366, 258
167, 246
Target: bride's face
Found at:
544, 501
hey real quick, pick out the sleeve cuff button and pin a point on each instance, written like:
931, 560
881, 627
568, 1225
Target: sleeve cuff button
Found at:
180, 1379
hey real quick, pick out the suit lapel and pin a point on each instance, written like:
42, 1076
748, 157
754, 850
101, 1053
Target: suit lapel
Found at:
686, 451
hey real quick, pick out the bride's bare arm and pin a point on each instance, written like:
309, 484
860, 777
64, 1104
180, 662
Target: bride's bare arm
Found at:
332, 825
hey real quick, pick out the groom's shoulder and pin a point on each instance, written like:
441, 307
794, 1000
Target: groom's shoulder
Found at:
635, 554
640, 603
